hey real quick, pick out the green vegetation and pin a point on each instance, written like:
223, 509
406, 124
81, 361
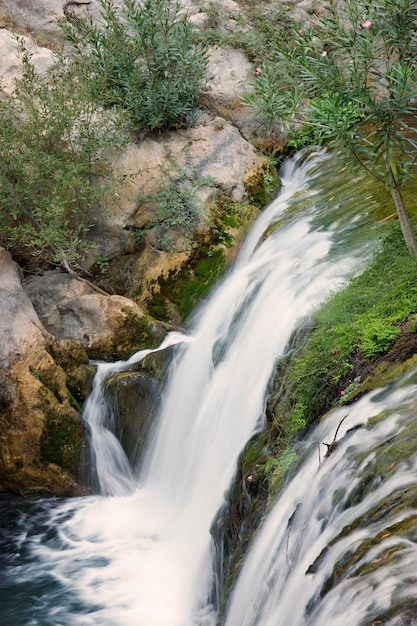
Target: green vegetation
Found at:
181, 291
178, 211
355, 67
355, 326
62, 439
54, 175
175, 296
144, 60
251, 30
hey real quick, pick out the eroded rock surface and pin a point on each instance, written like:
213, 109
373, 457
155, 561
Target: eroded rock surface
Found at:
105, 325
35, 411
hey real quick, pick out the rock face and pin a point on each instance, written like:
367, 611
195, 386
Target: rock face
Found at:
213, 157
134, 397
228, 78
40, 432
72, 309
10, 65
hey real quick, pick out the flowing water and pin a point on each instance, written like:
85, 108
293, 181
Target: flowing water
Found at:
340, 546
139, 553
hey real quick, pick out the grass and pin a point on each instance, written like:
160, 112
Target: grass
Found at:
357, 324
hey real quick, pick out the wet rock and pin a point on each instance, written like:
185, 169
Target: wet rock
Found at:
134, 398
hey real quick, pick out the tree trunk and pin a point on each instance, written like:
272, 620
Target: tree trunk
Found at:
406, 229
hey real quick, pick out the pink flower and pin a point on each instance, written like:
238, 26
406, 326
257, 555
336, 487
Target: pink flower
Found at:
250, 478
257, 71
342, 393
301, 32
323, 53
367, 24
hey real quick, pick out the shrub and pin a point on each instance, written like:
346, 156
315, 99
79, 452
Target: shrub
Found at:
352, 74
143, 60
54, 174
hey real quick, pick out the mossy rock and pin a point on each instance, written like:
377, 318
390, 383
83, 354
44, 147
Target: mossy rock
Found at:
134, 397
79, 384
131, 332
67, 353
175, 296
62, 439
261, 183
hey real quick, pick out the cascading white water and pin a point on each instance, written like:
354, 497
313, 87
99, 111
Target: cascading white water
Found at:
142, 556
114, 472
340, 545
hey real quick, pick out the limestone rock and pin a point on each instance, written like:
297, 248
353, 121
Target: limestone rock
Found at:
40, 432
214, 151
104, 325
10, 64
39, 17
229, 74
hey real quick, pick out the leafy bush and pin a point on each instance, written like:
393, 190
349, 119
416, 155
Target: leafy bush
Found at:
54, 174
143, 60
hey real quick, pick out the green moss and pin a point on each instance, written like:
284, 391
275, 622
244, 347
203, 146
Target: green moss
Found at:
356, 325
61, 440
261, 182
174, 296
254, 454
79, 382
136, 331
183, 289
67, 353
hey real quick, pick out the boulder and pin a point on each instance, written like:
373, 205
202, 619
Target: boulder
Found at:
72, 309
134, 398
41, 435
228, 79
41, 17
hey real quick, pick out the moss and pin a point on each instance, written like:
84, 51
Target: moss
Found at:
136, 331
67, 353
384, 373
185, 288
176, 295
133, 332
261, 183
353, 331
62, 439
79, 383
173, 297
52, 377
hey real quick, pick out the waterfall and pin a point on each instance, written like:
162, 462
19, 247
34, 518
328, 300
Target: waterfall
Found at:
340, 545
115, 475
139, 554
